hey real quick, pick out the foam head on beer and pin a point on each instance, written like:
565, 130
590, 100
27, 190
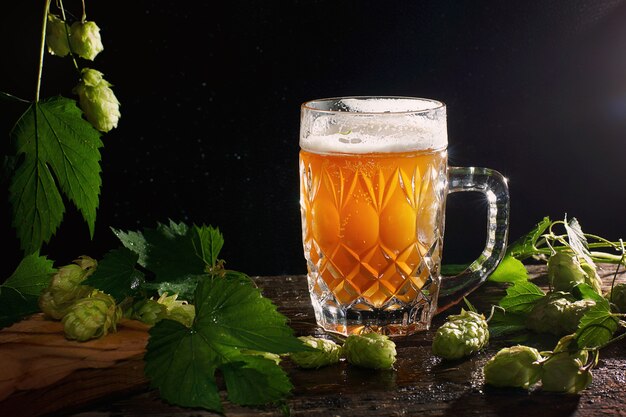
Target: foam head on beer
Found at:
373, 125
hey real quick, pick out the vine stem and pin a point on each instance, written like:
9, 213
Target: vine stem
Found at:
42, 49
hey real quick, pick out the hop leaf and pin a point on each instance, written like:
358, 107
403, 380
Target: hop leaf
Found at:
516, 366
231, 315
58, 149
371, 350
56, 36
461, 335
326, 353
85, 39
97, 100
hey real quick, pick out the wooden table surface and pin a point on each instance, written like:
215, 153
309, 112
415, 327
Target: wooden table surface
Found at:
106, 379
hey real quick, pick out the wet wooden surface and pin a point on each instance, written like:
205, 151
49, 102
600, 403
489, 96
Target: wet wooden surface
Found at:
421, 384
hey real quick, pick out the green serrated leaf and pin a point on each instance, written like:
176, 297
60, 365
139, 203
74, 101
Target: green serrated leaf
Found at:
521, 297
525, 246
255, 381
231, 315
116, 274
208, 242
181, 365
586, 291
19, 294
504, 324
509, 270
59, 152
231, 312
168, 251
597, 326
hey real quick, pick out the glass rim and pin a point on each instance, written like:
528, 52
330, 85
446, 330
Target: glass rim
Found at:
437, 105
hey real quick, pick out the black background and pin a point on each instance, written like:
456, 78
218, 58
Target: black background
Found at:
210, 97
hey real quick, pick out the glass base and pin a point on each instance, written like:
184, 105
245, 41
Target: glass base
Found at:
391, 322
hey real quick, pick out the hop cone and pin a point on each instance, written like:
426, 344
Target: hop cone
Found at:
371, 350
65, 287
85, 39
565, 271
461, 335
557, 313
91, 317
147, 311
516, 366
591, 277
563, 371
267, 355
617, 296
326, 353
178, 310
56, 36
97, 100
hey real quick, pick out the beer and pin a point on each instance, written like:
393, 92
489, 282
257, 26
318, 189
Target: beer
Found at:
372, 224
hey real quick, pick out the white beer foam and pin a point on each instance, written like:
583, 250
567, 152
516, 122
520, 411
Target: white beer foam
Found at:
363, 127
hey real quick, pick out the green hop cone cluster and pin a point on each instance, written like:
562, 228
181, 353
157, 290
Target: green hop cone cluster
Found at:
65, 287
617, 296
85, 39
371, 350
91, 317
57, 36
81, 38
461, 335
558, 313
97, 100
516, 366
561, 370
564, 370
326, 353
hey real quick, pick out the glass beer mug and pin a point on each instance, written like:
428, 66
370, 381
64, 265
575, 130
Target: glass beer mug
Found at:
373, 184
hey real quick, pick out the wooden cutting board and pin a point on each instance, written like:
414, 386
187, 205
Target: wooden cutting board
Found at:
43, 372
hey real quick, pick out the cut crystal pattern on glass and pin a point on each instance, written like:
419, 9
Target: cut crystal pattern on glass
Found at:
372, 231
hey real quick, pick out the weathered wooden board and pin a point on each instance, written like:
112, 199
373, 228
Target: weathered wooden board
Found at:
41, 373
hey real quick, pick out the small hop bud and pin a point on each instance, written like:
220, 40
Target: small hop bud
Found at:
565, 271
516, 366
461, 335
65, 287
97, 100
371, 350
326, 353
558, 313
617, 296
91, 317
56, 36
85, 39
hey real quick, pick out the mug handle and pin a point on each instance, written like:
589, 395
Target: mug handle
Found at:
494, 186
